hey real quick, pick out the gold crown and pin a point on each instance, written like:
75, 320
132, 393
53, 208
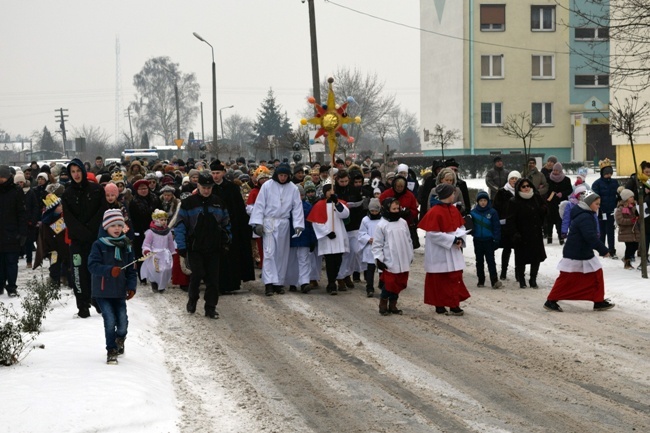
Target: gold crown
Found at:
261, 169
605, 163
51, 201
159, 215
117, 176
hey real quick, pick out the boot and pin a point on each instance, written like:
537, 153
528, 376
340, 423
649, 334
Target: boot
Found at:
504, 270
341, 285
627, 264
191, 305
495, 282
356, 277
392, 307
305, 288
268, 289
534, 268
348, 282
331, 289
120, 345
383, 307
521, 278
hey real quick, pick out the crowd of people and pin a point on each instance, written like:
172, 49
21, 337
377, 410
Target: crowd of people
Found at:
187, 223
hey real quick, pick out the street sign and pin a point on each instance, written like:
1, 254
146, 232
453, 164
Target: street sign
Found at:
179, 142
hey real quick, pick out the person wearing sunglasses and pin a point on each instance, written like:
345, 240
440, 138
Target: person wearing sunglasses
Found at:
525, 222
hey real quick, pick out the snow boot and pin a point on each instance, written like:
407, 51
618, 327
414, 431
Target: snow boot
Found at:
268, 289
392, 307
627, 264
120, 345
383, 307
111, 357
534, 268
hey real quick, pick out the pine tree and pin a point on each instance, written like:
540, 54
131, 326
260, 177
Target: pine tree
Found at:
270, 121
46, 141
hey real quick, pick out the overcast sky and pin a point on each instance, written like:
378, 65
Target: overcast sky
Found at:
62, 53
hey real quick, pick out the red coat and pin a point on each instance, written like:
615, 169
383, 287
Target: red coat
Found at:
406, 200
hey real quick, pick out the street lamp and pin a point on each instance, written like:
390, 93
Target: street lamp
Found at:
221, 118
214, 95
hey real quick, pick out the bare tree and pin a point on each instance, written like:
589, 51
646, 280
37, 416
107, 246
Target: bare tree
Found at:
623, 26
520, 126
405, 127
444, 137
155, 102
239, 130
628, 119
369, 100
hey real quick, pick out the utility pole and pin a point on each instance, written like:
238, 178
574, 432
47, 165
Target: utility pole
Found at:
61, 119
128, 111
314, 52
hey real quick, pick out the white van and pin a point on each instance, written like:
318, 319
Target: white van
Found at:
133, 154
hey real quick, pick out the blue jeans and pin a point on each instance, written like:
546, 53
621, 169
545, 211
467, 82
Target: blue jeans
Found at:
116, 321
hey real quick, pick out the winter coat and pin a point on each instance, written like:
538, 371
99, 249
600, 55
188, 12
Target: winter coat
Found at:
406, 200
84, 204
203, 225
307, 238
496, 179
540, 181
583, 235
51, 237
525, 221
486, 223
13, 221
627, 221
140, 211
412, 182
354, 201
440, 254
367, 232
501, 204
562, 190
100, 263
392, 245
606, 189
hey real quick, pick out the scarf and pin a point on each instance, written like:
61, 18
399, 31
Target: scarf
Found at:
391, 217
557, 177
118, 242
374, 217
159, 230
526, 195
509, 188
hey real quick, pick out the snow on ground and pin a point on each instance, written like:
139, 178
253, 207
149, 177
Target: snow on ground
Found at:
67, 386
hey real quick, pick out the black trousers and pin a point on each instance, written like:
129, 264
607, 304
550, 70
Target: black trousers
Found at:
81, 282
332, 266
205, 266
369, 275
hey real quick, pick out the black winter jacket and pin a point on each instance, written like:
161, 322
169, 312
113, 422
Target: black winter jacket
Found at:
13, 221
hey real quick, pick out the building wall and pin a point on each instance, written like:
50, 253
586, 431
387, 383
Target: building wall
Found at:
442, 68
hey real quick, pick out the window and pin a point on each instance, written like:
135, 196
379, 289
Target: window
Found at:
592, 81
592, 33
493, 18
543, 67
542, 18
492, 66
490, 113
542, 113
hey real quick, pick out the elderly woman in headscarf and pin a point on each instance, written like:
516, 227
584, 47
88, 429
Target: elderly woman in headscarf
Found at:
559, 190
448, 176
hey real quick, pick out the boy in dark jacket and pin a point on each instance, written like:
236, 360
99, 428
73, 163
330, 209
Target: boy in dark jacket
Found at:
487, 235
114, 280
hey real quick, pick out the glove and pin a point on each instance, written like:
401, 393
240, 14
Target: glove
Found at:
145, 252
298, 231
182, 253
130, 294
259, 230
331, 235
334, 198
625, 211
404, 213
22, 240
381, 265
312, 247
559, 194
115, 271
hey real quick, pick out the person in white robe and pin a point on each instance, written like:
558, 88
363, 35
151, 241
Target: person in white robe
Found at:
365, 239
278, 200
327, 218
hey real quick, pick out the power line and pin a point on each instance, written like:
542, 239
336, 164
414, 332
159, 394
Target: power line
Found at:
420, 29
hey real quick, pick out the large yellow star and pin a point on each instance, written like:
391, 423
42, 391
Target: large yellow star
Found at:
331, 120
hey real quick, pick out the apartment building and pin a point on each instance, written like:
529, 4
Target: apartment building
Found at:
483, 61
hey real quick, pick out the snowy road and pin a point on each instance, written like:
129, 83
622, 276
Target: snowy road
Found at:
321, 363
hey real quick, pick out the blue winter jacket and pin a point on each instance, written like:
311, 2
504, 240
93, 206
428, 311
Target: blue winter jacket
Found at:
606, 189
100, 263
583, 236
308, 237
486, 223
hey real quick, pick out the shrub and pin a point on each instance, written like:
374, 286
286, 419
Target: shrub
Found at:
37, 303
12, 343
